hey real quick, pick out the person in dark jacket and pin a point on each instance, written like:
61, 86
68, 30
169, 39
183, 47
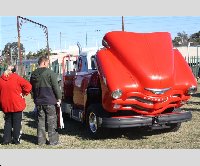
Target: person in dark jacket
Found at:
46, 94
13, 88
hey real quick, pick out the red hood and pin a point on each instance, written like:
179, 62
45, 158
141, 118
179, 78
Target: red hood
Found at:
145, 56
151, 74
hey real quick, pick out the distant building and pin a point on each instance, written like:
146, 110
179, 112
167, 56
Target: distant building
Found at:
188, 52
72, 50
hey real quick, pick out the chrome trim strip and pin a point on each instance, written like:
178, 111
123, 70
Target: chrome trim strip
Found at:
157, 91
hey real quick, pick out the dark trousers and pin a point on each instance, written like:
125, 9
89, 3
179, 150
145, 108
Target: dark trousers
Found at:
47, 113
12, 127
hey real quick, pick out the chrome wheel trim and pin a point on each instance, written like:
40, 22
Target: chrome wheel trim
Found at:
93, 122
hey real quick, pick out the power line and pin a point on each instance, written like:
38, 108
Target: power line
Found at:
76, 29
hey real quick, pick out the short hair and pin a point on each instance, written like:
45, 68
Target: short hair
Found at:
42, 59
10, 69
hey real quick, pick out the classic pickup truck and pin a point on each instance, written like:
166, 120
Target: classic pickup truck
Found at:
135, 80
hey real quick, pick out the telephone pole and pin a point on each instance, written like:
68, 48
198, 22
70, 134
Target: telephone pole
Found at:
86, 39
19, 48
60, 43
122, 23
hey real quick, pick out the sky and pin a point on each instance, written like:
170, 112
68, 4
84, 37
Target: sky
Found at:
65, 31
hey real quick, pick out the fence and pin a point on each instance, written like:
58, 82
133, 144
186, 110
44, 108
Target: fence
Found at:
194, 63
28, 69
57, 68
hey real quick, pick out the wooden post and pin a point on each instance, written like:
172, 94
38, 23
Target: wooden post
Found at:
19, 48
48, 43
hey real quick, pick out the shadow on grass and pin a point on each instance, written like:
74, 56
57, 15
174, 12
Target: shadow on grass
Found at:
193, 102
25, 137
30, 119
73, 128
192, 109
29, 138
1, 135
77, 129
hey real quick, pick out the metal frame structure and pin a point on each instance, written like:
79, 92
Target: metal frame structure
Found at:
20, 21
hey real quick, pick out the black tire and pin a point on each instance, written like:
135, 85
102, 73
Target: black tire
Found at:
92, 121
173, 127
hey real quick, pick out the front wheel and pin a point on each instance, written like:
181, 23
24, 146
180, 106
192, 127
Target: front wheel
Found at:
173, 127
92, 120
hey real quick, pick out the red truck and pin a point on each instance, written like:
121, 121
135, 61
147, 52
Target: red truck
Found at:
135, 80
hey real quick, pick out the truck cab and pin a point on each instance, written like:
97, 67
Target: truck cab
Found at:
77, 83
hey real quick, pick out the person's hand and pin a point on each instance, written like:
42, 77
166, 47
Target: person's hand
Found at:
58, 102
22, 95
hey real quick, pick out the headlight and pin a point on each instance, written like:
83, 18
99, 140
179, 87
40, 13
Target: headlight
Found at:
191, 90
116, 94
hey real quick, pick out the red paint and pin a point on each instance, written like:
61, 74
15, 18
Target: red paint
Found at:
135, 63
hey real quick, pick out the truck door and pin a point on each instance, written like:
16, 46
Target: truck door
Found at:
80, 82
68, 74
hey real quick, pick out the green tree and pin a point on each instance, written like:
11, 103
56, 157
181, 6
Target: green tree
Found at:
42, 52
39, 53
195, 38
181, 39
31, 55
10, 52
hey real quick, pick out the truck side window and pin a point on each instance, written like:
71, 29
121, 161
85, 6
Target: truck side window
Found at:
79, 64
93, 66
75, 65
82, 64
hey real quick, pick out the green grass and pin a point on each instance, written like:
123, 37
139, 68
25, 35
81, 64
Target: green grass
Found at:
74, 136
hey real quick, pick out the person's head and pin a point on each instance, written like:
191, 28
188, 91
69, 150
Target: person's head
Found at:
10, 69
43, 61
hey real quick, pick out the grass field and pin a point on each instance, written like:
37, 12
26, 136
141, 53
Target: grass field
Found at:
74, 136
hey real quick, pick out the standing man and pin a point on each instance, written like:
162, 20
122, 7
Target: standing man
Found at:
46, 94
13, 88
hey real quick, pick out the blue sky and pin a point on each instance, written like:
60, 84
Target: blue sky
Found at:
72, 29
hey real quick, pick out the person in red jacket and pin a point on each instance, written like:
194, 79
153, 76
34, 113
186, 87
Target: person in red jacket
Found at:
13, 88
